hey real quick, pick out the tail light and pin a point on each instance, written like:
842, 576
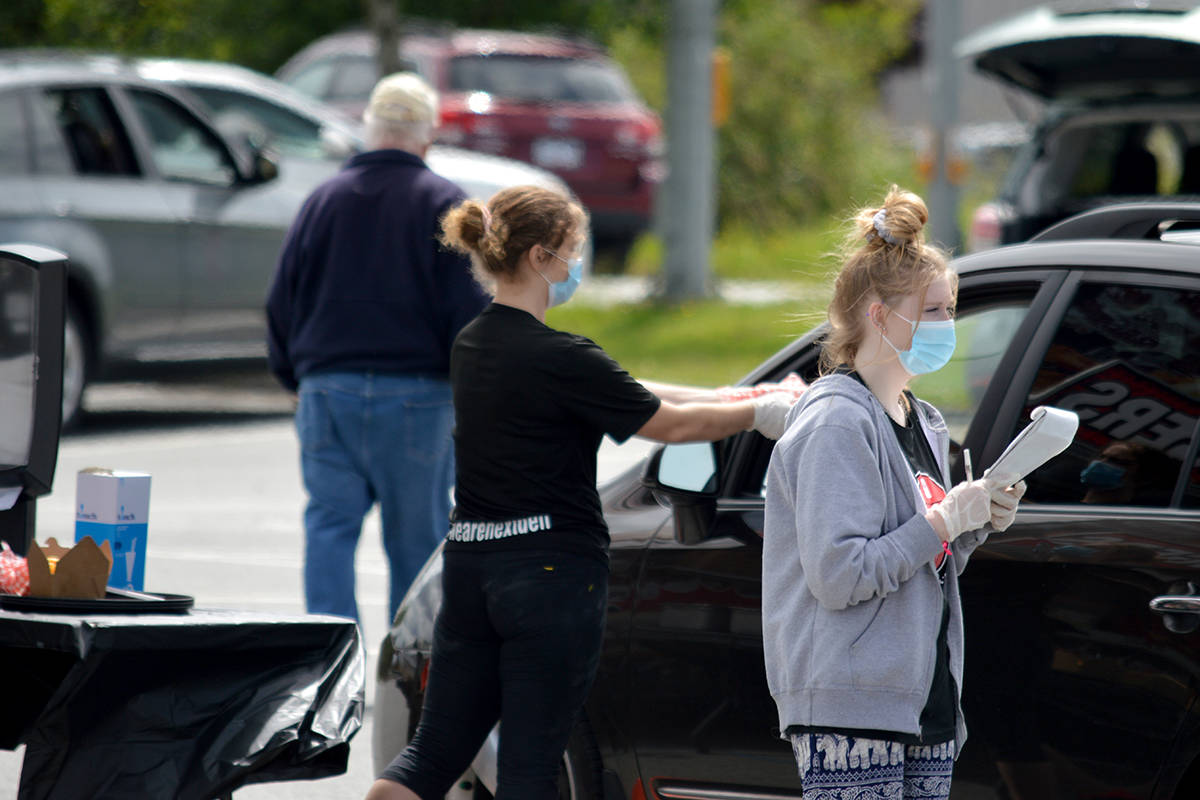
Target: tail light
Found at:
470, 126
987, 226
455, 127
639, 141
642, 142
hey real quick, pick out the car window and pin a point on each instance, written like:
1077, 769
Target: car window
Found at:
353, 79
264, 122
956, 390
1125, 359
95, 137
540, 78
14, 143
983, 333
1123, 160
50, 154
183, 149
313, 79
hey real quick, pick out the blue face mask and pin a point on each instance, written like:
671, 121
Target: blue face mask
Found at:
1102, 475
931, 348
559, 292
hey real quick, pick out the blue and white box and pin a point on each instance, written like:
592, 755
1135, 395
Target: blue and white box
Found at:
115, 505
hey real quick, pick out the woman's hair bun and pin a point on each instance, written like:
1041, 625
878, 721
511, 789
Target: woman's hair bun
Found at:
899, 222
464, 229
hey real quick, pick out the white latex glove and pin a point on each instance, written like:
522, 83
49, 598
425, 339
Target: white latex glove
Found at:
1004, 499
770, 413
966, 507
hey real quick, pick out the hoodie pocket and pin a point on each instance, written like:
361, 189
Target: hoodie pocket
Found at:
883, 655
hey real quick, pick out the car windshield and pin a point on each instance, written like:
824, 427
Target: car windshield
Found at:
541, 79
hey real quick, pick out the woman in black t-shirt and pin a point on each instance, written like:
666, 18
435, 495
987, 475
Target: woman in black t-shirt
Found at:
525, 564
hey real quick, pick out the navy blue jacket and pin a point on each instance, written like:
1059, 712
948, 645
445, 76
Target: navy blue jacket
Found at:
362, 283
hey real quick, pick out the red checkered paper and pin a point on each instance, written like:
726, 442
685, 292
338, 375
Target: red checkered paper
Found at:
14, 572
792, 383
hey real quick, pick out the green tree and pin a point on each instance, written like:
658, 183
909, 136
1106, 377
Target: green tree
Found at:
805, 136
260, 34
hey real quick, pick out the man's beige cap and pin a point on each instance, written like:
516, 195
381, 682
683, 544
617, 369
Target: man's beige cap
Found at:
403, 97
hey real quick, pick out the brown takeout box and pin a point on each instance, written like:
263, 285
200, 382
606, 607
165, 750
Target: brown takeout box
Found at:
80, 572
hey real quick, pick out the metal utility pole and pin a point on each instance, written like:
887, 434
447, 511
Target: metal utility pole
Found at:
944, 20
687, 200
384, 17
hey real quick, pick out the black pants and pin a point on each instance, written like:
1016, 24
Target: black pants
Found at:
517, 639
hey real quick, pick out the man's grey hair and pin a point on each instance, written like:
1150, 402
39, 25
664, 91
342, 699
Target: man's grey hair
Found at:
383, 133
402, 113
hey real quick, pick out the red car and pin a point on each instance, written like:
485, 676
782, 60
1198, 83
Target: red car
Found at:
559, 103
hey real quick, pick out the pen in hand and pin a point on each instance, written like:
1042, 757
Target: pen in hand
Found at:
967, 462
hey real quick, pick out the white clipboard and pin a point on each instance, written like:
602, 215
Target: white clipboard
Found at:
1050, 432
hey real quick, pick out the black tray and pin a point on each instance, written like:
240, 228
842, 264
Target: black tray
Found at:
114, 602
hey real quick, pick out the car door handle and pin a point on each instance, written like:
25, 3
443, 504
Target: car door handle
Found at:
1175, 604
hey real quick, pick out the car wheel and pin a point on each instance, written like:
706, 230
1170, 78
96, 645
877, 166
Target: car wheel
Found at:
77, 356
579, 775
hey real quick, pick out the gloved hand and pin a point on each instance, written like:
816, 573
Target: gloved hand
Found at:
792, 384
966, 507
770, 413
1005, 495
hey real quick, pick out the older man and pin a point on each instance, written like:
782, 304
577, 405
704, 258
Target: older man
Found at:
362, 312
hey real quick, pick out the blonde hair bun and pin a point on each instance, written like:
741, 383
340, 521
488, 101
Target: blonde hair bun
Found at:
899, 222
463, 227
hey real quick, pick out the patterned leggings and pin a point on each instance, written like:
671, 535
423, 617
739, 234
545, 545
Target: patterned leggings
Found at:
836, 767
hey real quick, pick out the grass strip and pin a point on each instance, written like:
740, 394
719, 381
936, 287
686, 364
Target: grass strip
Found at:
705, 343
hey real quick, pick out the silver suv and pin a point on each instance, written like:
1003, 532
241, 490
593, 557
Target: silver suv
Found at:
1121, 83
172, 227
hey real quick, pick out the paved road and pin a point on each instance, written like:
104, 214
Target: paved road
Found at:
225, 517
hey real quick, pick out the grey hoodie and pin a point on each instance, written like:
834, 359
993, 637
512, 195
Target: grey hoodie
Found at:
851, 602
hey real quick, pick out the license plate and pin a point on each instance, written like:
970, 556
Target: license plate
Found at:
557, 153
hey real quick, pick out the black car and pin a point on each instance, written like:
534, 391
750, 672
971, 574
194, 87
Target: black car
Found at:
1121, 117
1083, 662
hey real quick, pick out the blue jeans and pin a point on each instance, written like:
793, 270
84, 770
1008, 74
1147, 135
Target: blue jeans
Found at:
365, 438
518, 639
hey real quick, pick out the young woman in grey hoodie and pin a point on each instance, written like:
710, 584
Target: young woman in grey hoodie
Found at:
865, 534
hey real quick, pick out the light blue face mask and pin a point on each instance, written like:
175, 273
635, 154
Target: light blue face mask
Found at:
559, 292
931, 348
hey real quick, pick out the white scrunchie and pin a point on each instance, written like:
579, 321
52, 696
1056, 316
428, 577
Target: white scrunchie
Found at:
881, 228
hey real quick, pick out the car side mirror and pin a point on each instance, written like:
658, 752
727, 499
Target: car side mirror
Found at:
256, 164
685, 477
33, 300
688, 467
266, 168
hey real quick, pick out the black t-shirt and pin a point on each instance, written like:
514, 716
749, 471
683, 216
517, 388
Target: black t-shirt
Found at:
531, 405
937, 718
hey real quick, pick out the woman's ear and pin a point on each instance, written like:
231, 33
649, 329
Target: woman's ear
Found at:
875, 314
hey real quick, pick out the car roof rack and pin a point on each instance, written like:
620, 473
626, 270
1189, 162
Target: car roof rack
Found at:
1126, 221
